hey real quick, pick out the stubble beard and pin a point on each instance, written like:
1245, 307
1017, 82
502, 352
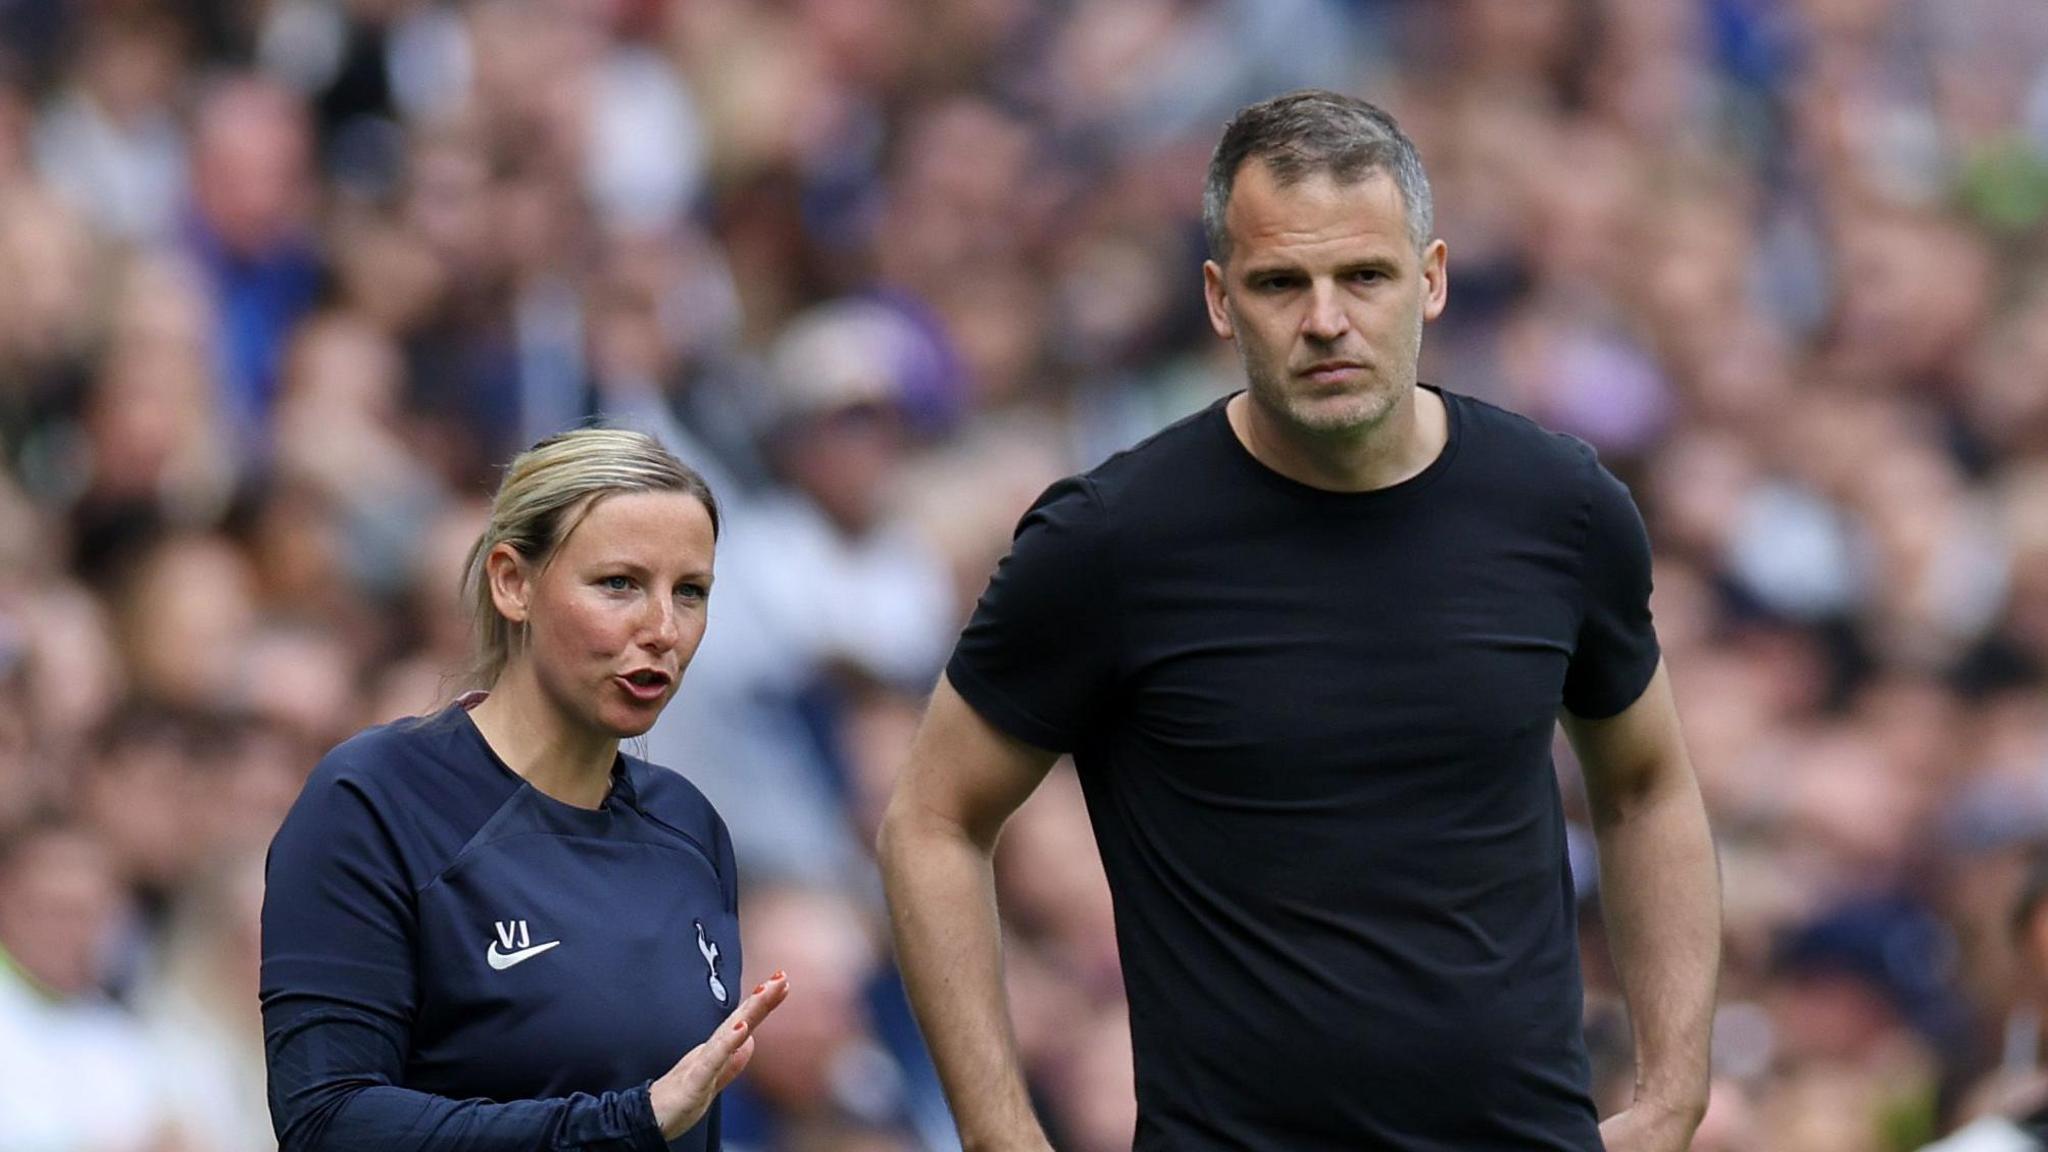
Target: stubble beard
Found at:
1344, 416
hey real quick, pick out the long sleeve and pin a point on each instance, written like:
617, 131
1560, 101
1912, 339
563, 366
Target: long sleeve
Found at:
332, 1089
339, 990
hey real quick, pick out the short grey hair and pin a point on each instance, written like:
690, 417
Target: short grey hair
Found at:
1316, 132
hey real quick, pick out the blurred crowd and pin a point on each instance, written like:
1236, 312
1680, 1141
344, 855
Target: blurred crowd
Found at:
282, 282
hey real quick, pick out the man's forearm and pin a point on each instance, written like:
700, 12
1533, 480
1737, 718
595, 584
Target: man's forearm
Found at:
1661, 898
949, 947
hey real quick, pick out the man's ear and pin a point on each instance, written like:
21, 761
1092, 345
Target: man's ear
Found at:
1213, 295
510, 583
1436, 279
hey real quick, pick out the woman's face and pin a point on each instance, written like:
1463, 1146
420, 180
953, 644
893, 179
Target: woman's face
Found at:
614, 616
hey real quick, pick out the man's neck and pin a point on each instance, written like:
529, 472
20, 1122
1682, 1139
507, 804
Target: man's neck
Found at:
1397, 448
9, 966
529, 733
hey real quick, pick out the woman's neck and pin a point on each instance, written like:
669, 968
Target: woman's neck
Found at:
529, 733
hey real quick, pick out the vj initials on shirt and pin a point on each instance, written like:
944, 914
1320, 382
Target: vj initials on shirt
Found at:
503, 954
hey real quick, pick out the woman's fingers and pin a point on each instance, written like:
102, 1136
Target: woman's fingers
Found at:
714, 1064
736, 1064
760, 1002
682, 1096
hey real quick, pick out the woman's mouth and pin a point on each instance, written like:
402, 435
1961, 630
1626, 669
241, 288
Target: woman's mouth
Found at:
646, 683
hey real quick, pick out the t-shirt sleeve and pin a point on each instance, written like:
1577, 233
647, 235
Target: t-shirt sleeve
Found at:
338, 995
1617, 651
1037, 658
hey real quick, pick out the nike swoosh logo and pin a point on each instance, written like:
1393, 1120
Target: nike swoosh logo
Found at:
503, 960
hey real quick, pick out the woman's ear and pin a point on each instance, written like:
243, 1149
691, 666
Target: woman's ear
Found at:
510, 582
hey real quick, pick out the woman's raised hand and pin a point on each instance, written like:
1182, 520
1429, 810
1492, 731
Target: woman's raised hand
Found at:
685, 1092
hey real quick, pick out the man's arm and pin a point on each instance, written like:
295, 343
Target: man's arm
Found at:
936, 845
1661, 895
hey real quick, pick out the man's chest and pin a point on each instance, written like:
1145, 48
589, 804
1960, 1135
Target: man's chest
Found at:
1400, 641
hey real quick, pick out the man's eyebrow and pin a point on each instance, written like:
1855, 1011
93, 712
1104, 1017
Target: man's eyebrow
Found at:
1255, 271
1371, 264
1374, 263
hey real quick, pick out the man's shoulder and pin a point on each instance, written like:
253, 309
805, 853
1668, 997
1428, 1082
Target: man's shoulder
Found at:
1510, 438
1162, 460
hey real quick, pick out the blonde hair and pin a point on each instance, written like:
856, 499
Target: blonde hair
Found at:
546, 493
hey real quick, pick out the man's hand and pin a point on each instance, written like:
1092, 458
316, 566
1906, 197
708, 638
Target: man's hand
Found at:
1644, 1127
684, 1093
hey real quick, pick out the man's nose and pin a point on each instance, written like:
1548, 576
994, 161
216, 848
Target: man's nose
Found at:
1325, 319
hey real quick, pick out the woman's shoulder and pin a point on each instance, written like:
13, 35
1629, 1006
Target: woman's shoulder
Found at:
414, 785
665, 795
393, 757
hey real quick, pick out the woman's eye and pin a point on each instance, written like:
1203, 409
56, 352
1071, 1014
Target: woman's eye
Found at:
691, 591
618, 583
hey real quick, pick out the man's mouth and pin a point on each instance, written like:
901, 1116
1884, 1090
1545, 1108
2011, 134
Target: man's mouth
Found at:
1331, 371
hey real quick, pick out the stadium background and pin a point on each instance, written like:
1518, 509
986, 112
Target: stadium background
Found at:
281, 281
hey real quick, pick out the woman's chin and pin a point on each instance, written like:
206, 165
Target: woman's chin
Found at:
628, 728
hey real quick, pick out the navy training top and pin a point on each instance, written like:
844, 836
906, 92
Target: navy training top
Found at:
1314, 733
454, 960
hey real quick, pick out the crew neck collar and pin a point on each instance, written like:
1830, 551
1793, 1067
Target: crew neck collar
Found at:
1389, 496
617, 797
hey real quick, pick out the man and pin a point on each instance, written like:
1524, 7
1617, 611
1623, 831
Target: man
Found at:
1307, 649
2008, 1109
76, 1070
251, 234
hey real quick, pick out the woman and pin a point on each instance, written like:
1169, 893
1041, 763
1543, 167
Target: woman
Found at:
488, 928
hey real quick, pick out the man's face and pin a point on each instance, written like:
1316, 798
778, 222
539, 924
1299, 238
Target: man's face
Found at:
1325, 297
60, 903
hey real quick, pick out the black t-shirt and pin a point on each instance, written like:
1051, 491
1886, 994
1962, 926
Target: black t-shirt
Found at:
1314, 732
